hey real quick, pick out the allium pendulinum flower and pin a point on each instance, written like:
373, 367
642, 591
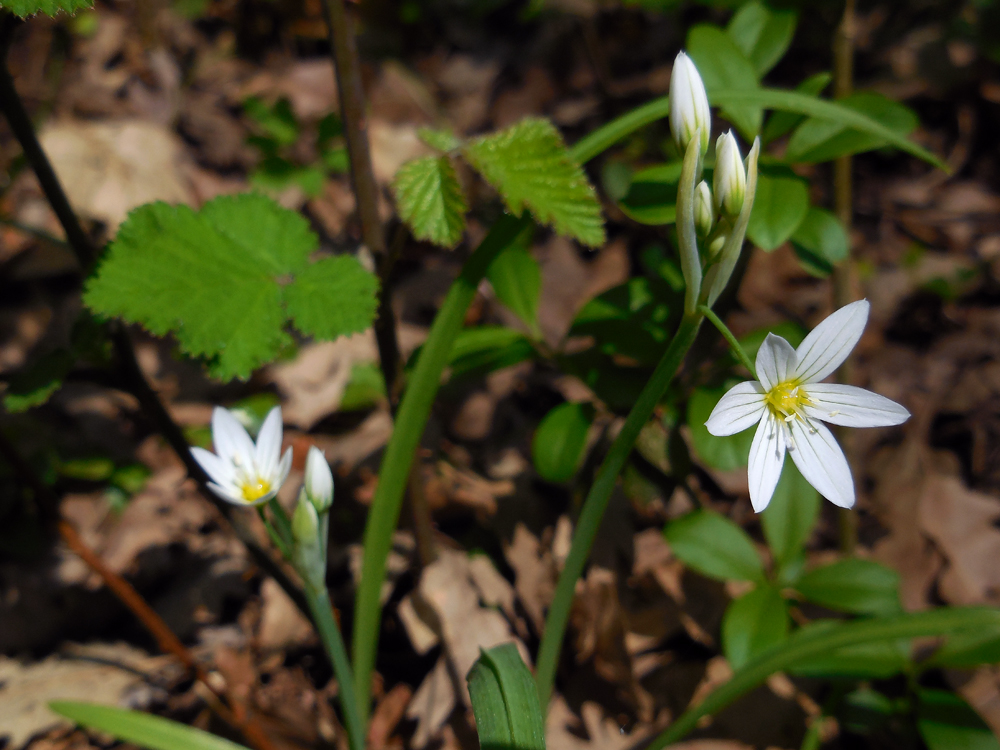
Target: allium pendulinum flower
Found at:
243, 473
790, 404
690, 114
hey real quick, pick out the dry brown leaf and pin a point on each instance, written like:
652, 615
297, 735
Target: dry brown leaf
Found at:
535, 574
563, 729
432, 704
281, 623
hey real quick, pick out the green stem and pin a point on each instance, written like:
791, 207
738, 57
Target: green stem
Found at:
597, 501
333, 643
813, 642
730, 338
414, 410
276, 538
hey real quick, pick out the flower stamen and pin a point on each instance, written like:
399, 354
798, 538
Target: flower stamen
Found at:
252, 489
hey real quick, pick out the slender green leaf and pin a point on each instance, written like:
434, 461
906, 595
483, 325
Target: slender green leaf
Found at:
517, 280
430, 200
789, 518
779, 207
145, 730
723, 66
853, 585
505, 701
780, 123
714, 546
967, 650
820, 241
560, 439
25, 8
723, 453
530, 167
947, 722
753, 623
863, 661
478, 351
762, 34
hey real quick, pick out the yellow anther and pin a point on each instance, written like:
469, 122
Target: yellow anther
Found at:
786, 399
255, 489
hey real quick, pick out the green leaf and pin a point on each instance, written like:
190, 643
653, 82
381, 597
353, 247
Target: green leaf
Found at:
820, 241
430, 200
714, 546
779, 207
559, 442
862, 661
968, 650
335, 296
505, 701
723, 453
753, 623
762, 34
145, 730
817, 140
212, 279
791, 332
278, 122
723, 66
853, 585
24, 8
947, 722
530, 167
478, 351
35, 384
442, 140
803, 104
365, 389
780, 122
517, 281
789, 518
652, 195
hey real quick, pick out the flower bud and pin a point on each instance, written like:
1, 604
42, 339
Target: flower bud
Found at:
305, 523
730, 181
689, 111
319, 480
704, 211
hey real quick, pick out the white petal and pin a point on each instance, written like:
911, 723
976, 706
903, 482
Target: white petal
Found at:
229, 497
217, 469
232, 443
850, 406
319, 478
283, 468
821, 461
829, 343
775, 361
269, 444
767, 455
740, 408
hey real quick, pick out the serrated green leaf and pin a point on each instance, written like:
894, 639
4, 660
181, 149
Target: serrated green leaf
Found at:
762, 34
789, 518
947, 722
559, 442
333, 297
430, 200
505, 701
780, 205
753, 623
145, 730
853, 585
715, 546
820, 241
517, 280
530, 167
817, 140
723, 453
723, 66
24, 8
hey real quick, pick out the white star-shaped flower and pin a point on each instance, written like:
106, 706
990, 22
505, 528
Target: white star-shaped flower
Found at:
790, 403
243, 473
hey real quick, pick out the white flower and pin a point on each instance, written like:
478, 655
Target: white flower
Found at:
689, 110
241, 472
704, 213
789, 402
319, 480
730, 178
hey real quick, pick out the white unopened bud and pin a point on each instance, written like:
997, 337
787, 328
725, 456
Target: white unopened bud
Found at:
730, 181
319, 480
704, 211
689, 110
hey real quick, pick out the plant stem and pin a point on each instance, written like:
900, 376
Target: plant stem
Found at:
734, 344
597, 501
347, 67
413, 412
333, 643
20, 123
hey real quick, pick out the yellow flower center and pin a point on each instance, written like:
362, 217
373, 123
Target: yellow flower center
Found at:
786, 399
254, 489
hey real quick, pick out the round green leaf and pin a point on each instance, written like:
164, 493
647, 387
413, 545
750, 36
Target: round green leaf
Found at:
715, 546
560, 441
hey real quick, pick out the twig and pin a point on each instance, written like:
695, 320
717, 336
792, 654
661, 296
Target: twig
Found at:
166, 639
843, 199
85, 251
347, 67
